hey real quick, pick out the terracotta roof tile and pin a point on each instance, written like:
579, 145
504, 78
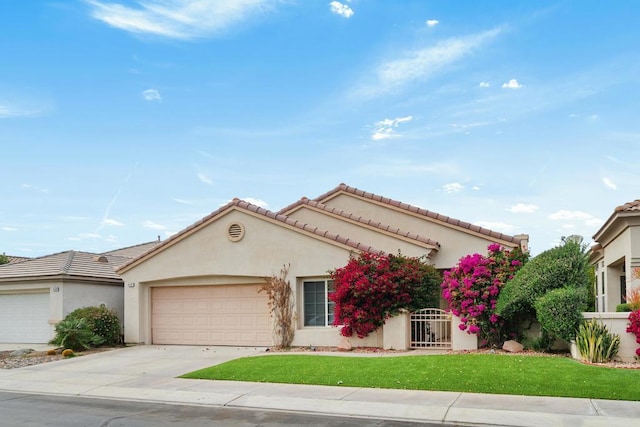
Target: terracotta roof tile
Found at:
243, 205
627, 209
414, 209
15, 259
365, 221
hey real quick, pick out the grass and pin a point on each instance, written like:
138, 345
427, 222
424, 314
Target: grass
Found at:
474, 373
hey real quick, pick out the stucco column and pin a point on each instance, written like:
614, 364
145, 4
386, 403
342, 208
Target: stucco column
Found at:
461, 340
396, 332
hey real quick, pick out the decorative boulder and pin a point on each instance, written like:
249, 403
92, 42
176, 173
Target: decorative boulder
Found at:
513, 346
344, 345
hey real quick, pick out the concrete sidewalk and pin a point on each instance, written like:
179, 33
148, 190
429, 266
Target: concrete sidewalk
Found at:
148, 373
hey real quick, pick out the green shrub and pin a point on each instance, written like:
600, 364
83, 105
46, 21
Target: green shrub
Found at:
623, 308
103, 321
595, 343
560, 312
75, 334
524, 298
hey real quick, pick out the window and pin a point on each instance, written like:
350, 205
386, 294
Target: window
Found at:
318, 310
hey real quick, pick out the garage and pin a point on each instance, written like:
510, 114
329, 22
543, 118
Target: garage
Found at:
24, 318
210, 315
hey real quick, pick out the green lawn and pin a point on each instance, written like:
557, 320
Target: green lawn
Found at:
475, 373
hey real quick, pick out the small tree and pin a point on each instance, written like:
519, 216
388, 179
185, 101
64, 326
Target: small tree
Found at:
281, 307
4, 259
372, 287
532, 295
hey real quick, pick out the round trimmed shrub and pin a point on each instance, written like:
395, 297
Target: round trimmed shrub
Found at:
560, 312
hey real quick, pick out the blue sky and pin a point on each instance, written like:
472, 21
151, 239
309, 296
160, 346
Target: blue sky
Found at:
124, 120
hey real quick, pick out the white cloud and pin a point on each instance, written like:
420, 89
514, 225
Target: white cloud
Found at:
88, 236
387, 128
511, 84
484, 84
475, 188
7, 112
9, 229
179, 19
153, 225
566, 215
523, 208
34, 188
609, 183
111, 222
204, 178
502, 227
432, 22
257, 202
151, 95
183, 201
454, 187
341, 9
421, 64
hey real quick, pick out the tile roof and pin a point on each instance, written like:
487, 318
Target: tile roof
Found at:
75, 264
627, 209
249, 207
434, 216
14, 259
361, 220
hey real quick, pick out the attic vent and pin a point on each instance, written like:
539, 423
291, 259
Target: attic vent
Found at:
235, 232
100, 258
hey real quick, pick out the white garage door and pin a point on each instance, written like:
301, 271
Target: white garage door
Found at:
24, 318
210, 315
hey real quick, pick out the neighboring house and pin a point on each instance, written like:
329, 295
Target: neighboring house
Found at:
36, 293
200, 287
616, 256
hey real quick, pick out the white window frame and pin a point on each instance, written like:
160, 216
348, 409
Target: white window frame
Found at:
328, 305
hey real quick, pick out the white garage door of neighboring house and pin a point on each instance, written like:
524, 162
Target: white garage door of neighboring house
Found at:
24, 318
210, 315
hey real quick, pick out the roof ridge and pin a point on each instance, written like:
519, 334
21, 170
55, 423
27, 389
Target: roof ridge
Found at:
420, 211
369, 222
128, 247
67, 264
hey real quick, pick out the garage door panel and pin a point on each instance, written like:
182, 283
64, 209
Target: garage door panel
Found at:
24, 318
210, 315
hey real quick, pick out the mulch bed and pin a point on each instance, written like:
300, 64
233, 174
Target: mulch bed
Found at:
37, 357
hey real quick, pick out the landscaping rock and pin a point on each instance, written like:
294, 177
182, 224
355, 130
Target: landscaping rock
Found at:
21, 352
513, 346
345, 345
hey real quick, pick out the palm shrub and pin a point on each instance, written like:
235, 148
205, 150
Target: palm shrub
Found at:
75, 334
595, 343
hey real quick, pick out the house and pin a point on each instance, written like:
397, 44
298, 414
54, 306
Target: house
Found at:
36, 293
616, 256
200, 287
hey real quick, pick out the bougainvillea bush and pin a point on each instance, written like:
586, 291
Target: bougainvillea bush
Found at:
472, 288
373, 287
634, 327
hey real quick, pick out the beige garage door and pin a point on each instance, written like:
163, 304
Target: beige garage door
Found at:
210, 315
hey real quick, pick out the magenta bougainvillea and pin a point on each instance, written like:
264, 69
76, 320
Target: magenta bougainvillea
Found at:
373, 287
634, 327
472, 288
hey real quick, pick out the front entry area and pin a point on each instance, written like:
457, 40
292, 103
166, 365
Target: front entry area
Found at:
210, 315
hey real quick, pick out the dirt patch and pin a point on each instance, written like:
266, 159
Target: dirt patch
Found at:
37, 357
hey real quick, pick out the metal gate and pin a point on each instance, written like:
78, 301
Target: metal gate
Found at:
431, 328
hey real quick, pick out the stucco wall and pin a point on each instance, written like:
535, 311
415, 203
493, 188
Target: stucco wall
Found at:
77, 295
455, 243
